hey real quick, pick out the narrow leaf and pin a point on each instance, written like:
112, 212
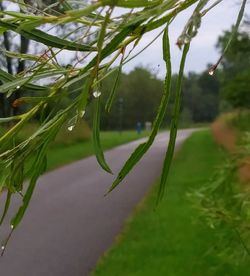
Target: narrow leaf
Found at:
46, 39
111, 46
96, 137
16, 83
174, 124
112, 94
143, 148
6, 77
6, 206
132, 3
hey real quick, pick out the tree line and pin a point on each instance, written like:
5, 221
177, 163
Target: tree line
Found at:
139, 92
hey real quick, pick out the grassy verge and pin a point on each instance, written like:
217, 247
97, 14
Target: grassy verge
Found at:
63, 154
170, 241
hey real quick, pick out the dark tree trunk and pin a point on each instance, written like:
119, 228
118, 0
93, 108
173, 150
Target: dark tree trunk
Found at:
6, 104
24, 45
3, 112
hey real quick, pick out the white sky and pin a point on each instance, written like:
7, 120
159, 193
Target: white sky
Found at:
202, 50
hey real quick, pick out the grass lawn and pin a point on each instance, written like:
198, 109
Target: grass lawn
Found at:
63, 154
170, 241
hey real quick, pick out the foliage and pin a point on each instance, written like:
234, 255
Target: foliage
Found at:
140, 92
105, 39
241, 120
224, 202
236, 91
225, 208
201, 96
235, 70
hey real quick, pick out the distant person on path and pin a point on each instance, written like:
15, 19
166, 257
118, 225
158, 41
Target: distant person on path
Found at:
138, 127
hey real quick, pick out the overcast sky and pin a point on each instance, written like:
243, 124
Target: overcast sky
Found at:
202, 49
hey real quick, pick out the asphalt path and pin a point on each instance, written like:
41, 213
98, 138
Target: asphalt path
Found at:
69, 223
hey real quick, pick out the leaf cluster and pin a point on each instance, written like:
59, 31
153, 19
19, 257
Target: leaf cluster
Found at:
115, 39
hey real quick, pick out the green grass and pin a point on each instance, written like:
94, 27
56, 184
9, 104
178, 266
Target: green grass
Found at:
170, 240
62, 154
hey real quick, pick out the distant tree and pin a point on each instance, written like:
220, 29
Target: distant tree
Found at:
200, 96
236, 58
235, 80
237, 90
12, 66
140, 91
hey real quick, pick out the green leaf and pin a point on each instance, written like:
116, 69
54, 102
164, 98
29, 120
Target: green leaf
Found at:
26, 199
21, 15
6, 206
96, 137
6, 77
174, 124
17, 83
66, 5
143, 148
75, 14
47, 39
153, 11
132, 3
22, 56
111, 47
232, 36
38, 167
10, 119
112, 94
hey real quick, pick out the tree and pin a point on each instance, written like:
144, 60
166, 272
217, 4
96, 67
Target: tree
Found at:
237, 90
13, 66
140, 91
113, 38
235, 70
201, 96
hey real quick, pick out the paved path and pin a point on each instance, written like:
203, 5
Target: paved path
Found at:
69, 223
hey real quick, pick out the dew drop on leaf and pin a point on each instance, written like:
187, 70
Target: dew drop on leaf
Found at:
70, 128
211, 72
82, 113
186, 40
97, 94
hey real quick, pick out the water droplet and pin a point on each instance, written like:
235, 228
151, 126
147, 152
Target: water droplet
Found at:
70, 128
186, 40
97, 94
12, 226
18, 87
2, 247
82, 113
211, 72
